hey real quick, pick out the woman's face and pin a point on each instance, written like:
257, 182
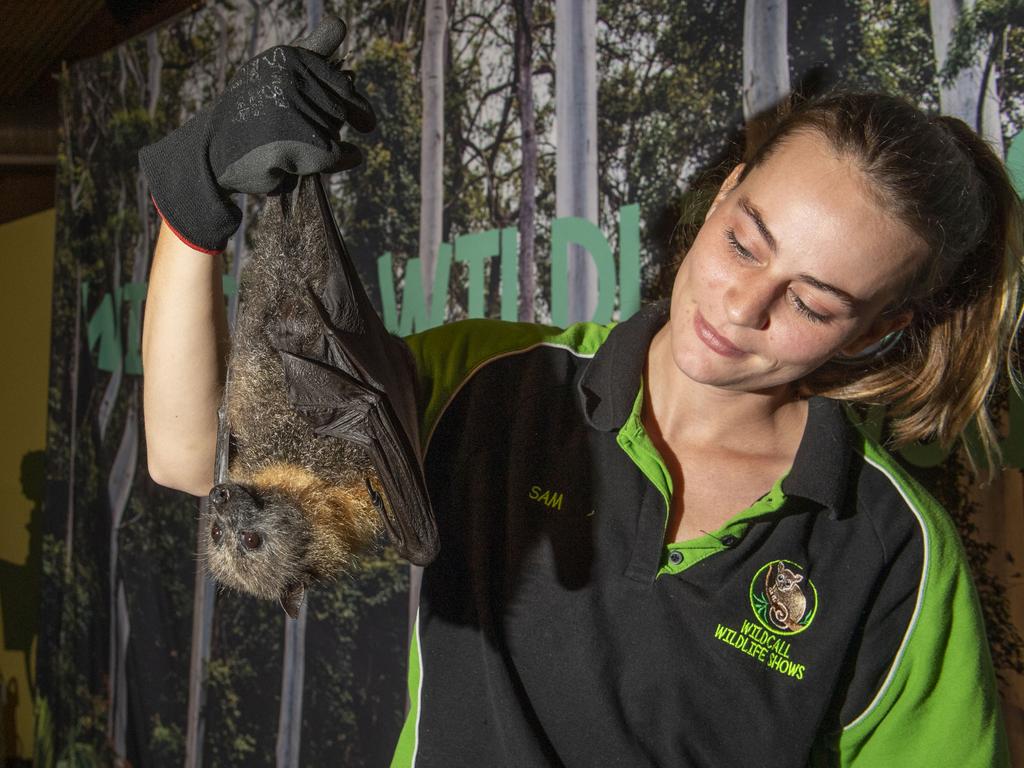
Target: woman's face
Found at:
792, 266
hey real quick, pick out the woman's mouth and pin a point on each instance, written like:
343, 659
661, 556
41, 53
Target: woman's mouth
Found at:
714, 340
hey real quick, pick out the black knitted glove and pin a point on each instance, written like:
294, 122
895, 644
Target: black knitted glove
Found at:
279, 118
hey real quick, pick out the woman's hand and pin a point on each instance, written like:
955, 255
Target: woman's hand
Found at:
280, 117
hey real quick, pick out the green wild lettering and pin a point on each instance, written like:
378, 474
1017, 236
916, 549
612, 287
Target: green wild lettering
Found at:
476, 249
103, 328
573, 229
103, 332
414, 311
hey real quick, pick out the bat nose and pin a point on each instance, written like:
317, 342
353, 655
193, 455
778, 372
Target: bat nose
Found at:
220, 494
233, 502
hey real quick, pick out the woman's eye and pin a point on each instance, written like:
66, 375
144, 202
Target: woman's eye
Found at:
804, 310
743, 253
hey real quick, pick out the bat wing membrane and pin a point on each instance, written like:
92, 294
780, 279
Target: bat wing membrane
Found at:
363, 390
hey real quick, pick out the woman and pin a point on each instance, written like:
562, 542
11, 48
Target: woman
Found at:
660, 543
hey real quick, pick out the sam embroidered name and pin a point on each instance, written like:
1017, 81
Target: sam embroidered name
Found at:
550, 499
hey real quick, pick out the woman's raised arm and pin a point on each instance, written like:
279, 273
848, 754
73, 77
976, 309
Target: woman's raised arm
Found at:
282, 119
184, 353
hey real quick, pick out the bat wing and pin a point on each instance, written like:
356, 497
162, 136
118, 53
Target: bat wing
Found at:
361, 387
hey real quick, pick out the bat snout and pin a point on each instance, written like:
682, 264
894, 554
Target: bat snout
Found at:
220, 494
228, 498
234, 510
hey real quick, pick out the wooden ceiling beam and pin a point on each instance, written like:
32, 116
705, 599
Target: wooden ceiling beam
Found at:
35, 39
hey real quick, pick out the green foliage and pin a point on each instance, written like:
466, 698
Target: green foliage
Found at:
991, 32
74, 753
1011, 81
356, 645
380, 199
979, 26
897, 55
668, 103
166, 742
243, 681
761, 607
43, 750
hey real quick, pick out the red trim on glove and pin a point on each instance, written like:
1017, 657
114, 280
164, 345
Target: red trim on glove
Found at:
180, 236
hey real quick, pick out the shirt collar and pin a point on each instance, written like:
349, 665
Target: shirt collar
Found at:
608, 390
609, 385
821, 466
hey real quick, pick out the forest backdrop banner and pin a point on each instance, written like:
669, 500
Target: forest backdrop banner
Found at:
534, 160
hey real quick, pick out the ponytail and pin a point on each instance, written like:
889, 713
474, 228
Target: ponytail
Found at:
940, 178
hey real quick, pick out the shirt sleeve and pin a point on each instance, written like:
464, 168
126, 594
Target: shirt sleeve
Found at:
447, 355
938, 703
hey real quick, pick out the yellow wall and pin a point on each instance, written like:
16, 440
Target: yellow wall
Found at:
26, 266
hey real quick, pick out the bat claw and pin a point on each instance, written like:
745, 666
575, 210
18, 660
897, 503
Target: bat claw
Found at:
291, 599
378, 502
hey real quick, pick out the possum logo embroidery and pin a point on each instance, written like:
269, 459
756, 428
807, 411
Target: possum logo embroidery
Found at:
784, 602
783, 599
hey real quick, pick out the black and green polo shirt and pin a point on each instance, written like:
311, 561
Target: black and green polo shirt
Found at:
832, 622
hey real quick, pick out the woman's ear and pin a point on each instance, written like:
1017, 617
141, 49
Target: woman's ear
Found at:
878, 335
727, 186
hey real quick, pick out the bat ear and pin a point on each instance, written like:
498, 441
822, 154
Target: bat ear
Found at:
291, 599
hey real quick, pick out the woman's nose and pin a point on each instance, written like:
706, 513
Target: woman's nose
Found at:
748, 301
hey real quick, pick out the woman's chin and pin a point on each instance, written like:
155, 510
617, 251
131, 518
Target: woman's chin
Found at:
730, 375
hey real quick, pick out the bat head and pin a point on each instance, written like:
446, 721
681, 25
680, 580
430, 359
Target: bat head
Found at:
257, 541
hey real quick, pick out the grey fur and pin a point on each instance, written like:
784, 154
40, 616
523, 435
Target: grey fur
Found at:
302, 495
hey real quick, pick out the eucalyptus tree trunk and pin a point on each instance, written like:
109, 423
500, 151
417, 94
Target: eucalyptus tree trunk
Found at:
122, 472
576, 140
69, 518
432, 141
68, 145
971, 95
202, 610
239, 251
765, 63
202, 624
314, 11
119, 487
527, 192
145, 244
113, 387
289, 721
154, 69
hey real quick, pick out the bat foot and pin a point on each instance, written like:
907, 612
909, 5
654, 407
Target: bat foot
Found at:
291, 599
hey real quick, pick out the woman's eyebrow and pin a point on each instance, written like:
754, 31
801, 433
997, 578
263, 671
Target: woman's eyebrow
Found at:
755, 215
839, 293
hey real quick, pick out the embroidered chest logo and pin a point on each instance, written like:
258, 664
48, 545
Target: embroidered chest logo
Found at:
784, 601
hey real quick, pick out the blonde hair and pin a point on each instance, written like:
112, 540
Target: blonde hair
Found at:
940, 178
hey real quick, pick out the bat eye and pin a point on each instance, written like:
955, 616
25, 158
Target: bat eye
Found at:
251, 539
216, 533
